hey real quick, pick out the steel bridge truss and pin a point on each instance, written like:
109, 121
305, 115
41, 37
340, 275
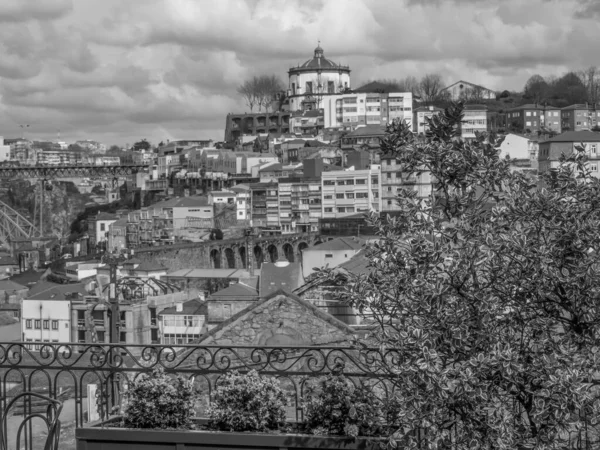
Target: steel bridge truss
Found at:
13, 226
68, 171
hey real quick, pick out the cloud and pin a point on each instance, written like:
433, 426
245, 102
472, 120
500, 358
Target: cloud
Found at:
169, 68
26, 10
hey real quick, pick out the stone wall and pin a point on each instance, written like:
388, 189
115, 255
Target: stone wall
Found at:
281, 320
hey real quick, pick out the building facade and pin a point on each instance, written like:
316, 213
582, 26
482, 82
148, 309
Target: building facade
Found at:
478, 119
351, 110
463, 90
393, 182
421, 114
238, 125
347, 192
551, 150
579, 117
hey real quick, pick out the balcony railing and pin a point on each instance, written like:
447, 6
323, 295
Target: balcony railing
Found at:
71, 367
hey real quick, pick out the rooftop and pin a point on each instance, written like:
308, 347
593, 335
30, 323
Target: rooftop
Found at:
319, 62
211, 273
9, 285
183, 202
341, 243
237, 291
106, 216
193, 307
150, 267
367, 130
45, 290
576, 136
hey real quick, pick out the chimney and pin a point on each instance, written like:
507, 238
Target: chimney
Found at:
179, 306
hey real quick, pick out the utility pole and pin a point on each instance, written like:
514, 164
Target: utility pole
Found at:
249, 250
113, 262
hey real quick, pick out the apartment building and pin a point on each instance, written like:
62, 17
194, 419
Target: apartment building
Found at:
264, 206
394, 181
367, 108
579, 117
550, 150
421, 114
534, 117
478, 118
98, 227
242, 201
299, 204
182, 323
347, 192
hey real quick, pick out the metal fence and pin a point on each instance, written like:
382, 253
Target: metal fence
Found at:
65, 370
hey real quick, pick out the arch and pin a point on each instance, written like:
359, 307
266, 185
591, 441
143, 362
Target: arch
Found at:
318, 241
242, 252
258, 256
248, 122
215, 257
230, 258
288, 251
273, 252
301, 246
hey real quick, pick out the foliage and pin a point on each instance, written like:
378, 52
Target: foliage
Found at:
336, 407
485, 296
142, 145
159, 401
247, 402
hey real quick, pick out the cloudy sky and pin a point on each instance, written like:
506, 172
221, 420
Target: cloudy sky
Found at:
120, 70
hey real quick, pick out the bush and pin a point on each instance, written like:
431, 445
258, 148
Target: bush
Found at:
247, 402
336, 407
159, 401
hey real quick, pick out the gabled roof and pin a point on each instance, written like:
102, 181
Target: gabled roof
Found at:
105, 216
357, 264
576, 137
276, 296
28, 277
223, 193
576, 106
237, 291
526, 106
473, 85
341, 243
271, 167
192, 307
274, 278
183, 202
45, 290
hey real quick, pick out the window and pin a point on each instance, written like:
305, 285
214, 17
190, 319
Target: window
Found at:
361, 181
342, 209
293, 88
37, 324
240, 213
528, 123
46, 324
362, 195
328, 210
388, 176
328, 182
309, 87
528, 113
102, 227
389, 189
350, 100
349, 195
28, 323
328, 255
374, 180
594, 167
339, 195
328, 197
389, 202
330, 87
593, 149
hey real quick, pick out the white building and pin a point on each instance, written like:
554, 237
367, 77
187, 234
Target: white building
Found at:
46, 313
4, 150
182, 323
315, 80
515, 146
463, 90
367, 108
420, 125
347, 192
221, 197
77, 271
101, 223
242, 201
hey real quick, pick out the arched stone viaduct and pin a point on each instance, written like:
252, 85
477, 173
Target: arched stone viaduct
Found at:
231, 253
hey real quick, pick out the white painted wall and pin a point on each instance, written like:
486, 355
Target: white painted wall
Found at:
46, 310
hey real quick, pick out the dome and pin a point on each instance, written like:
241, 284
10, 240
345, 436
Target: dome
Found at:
319, 62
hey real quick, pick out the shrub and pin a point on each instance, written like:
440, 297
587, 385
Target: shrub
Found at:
247, 402
336, 407
159, 401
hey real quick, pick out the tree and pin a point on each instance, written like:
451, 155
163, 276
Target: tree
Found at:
142, 145
536, 89
590, 78
75, 148
430, 87
484, 298
260, 91
114, 149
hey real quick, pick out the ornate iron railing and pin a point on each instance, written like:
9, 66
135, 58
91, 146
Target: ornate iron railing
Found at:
64, 370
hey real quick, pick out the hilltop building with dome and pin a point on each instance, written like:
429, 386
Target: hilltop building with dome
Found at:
315, 79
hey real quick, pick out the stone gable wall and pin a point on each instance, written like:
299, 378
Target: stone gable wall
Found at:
280, 321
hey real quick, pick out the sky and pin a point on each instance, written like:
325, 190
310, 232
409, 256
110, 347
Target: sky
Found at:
118, 71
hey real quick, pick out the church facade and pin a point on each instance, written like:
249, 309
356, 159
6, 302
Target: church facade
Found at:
314, 80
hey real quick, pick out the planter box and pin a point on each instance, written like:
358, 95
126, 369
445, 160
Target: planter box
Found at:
101, 436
